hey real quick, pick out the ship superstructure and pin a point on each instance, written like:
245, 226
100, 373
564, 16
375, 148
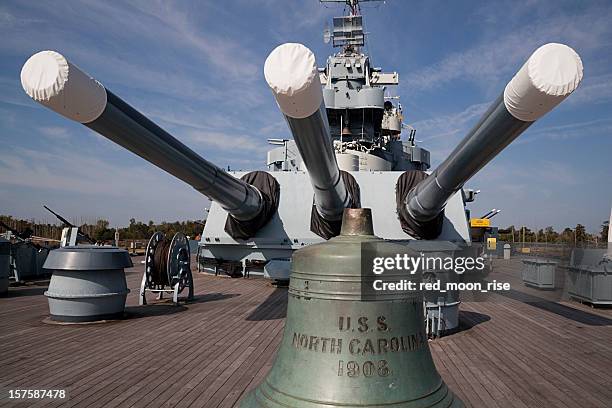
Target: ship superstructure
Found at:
364, 123
370, 141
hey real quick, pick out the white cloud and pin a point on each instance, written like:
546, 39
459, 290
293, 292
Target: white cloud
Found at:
63, 170
171, 53
275, 128
228, 142
228, 56
593, 90
582, 129
55, 132
541, 173
501, 54
295, 20
192, 119
441, 134
8, 19
79, 184
450, 123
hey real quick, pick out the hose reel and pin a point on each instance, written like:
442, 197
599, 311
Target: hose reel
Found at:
167, 267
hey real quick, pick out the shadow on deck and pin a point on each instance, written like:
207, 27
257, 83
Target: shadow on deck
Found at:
273, 308
576, 315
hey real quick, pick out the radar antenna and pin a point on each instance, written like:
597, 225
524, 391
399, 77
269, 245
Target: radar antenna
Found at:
352, 4
347, 31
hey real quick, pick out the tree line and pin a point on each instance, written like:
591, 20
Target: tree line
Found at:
571, 236
100, 230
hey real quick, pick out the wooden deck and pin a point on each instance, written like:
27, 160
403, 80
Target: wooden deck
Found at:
524, 349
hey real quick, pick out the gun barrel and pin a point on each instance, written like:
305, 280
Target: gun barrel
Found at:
551, 74
50, 79
291, 72
610, 236
493, 214
59, 217
488, 213
9, 229
81, 236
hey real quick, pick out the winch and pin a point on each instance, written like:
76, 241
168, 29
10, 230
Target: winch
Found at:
167, 267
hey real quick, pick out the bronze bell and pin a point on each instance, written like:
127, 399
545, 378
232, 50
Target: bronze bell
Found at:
341, 348
346, 131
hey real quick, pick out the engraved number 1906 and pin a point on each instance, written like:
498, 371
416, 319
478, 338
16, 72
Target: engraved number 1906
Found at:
367, 369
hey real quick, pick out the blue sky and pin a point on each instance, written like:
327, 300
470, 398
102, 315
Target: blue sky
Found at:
195, 67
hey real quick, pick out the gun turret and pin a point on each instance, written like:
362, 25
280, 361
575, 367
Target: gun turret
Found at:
292, 74
22, 236
551, 74
50, 79
81, 236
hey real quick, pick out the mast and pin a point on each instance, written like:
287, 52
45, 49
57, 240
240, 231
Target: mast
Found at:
352, 4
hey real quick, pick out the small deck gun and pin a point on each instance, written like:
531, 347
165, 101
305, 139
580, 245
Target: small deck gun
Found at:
81, 236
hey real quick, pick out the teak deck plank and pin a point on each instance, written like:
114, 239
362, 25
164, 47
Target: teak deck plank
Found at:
102, 350
520, 392
163, 355
527, 348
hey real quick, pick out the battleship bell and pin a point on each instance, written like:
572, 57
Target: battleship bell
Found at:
346, 132
344, 348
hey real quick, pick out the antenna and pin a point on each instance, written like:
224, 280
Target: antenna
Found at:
278, 142
327, 35
347, 31
353, 4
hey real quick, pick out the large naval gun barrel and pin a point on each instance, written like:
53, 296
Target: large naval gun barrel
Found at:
50, 79
551, 74
292, 74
